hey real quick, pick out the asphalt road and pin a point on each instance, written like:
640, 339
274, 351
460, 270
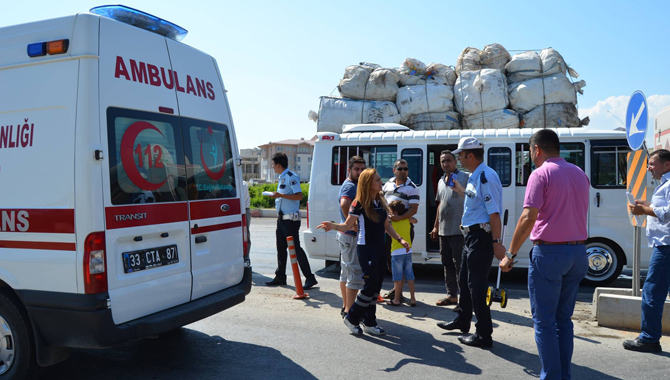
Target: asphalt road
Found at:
272, 336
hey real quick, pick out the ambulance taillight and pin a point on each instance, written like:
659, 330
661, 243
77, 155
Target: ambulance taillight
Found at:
245, 238
40, 49
95, 275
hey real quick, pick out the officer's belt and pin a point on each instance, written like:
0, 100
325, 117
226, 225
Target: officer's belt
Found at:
476, 227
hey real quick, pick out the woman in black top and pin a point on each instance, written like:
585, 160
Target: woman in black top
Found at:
369, 209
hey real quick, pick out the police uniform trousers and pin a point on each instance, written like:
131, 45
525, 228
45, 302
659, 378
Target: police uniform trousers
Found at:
286, 228
475, 266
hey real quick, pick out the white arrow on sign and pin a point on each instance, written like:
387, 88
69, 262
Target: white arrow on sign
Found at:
635, 118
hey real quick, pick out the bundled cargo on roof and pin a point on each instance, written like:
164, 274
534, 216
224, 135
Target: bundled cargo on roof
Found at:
526, 95
480, 91
502, 118
368, 81
529, 65
434, 121
559, 115
428, 97
493, 56
335, 112
414, 72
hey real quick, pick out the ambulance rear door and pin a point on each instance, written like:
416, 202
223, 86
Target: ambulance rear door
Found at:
213, 184
144, 185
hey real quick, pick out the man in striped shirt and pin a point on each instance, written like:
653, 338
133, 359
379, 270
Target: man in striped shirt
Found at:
401, 188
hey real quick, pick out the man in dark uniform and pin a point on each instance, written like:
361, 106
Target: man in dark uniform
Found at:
482, 227
287, 201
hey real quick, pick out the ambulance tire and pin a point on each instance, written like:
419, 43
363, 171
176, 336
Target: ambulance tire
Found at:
331, 263
606, 260
16, 334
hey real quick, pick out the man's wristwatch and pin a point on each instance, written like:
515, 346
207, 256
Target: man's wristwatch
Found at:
510, 255
497, 241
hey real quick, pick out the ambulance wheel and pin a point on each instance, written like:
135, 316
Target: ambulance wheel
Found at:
605, 259
18, 357
489, 296
503, 298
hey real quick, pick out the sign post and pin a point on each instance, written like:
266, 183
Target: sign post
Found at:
636, 131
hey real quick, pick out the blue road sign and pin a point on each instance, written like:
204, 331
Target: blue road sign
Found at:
636, 120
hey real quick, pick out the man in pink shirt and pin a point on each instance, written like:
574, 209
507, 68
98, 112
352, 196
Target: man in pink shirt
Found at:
554, 215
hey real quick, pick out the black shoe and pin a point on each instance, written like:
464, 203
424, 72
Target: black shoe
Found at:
276, 282
454, 325
390, 295
342, 313
476, 341
641, 346
309, 283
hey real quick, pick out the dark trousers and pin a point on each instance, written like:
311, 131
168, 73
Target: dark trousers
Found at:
475, 266
451, 250
373, 264
286, 228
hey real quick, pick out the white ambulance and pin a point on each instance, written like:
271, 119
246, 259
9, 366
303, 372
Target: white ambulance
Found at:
120, 201
601, 154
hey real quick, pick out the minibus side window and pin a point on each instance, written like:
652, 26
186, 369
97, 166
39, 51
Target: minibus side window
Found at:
146, 160
378, 157
500, 160
210, 168
414, 158
571, 152
609, 167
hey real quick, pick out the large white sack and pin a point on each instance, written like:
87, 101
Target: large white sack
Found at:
335, 112
480, 91
434, 121
411, 72
440, 74
561, 115
528, 65
366, 82
497, 119
429, 97
469, 60
526, 95
495, 56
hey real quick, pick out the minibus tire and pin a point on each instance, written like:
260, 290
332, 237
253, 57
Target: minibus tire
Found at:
331, 262
598, 251
16, 332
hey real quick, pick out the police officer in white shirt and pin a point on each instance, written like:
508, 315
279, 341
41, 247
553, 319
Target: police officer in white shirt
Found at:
287, 201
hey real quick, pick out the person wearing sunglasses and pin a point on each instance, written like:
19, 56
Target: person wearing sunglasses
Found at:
401, 188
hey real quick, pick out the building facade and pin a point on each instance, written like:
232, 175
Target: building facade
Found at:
299, 153
251, 164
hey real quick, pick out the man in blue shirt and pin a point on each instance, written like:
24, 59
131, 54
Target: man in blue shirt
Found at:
657, 284
287, 201
482, 226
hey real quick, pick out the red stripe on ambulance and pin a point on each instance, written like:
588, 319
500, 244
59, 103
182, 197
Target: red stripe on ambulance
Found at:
216, 227
56, 221
41, 245
145, 215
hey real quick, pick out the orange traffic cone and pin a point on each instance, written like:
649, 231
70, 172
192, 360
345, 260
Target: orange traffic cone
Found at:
299, 292
380, 299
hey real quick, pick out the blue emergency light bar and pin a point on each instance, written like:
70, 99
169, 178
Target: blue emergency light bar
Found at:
141, 20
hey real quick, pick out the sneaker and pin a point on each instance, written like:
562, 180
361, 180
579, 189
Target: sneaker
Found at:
373, 330
355, 329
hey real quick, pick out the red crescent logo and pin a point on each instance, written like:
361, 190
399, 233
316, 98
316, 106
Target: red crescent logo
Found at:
212, 174
128, 160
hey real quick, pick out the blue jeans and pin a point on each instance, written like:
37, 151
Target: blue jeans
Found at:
654, 292
553, 280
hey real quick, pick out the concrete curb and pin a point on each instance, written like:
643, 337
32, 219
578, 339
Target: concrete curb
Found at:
616, 308
270, 213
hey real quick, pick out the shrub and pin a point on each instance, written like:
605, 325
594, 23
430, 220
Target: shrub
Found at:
261, 201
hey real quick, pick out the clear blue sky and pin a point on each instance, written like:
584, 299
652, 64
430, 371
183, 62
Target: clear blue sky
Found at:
278, 57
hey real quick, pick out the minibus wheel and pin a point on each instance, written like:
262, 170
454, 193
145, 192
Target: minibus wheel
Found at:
18, 357
605, 260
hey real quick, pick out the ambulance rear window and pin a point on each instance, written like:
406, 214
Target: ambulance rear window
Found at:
210, 167
146, 162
